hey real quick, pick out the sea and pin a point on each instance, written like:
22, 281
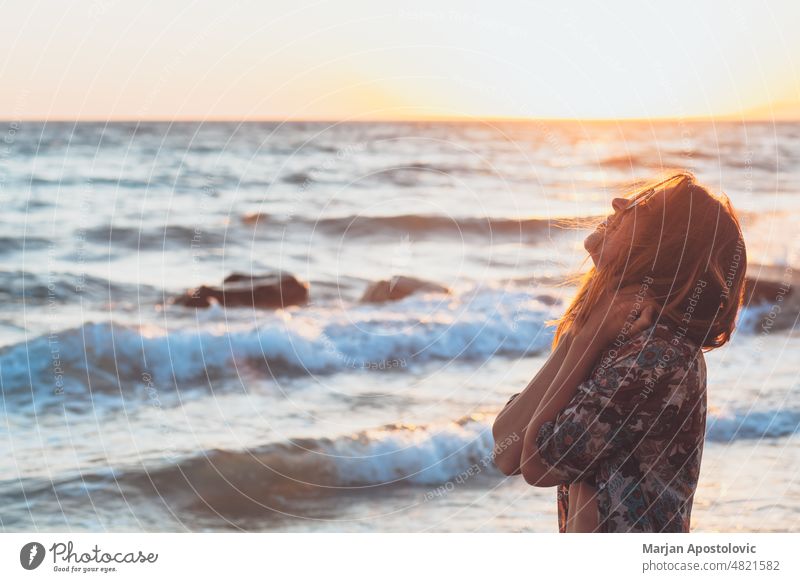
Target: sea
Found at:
125, 411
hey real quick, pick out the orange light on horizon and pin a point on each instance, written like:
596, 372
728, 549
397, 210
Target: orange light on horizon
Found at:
367, 61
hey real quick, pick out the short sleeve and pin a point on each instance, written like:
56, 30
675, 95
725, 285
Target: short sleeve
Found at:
612, 410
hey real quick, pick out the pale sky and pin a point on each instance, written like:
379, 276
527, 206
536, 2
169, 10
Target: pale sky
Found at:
348, 59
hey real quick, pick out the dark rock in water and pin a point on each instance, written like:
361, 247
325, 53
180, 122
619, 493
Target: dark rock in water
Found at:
239, 290
774, 289
399, 287
764, 290
239, 277
200, 297
547, 299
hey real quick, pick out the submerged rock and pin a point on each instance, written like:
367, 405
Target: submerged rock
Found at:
270, 291
773, 289
399, 287
765, 291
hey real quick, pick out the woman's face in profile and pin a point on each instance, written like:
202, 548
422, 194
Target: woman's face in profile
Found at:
613, 235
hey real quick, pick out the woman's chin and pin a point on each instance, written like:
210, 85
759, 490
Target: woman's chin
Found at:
594, 246
592, 243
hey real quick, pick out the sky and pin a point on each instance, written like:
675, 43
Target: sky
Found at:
348, 59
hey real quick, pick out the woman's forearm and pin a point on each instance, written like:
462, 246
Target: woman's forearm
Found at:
578, 363
620, 313
509, 426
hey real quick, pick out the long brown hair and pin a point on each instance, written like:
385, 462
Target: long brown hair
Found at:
687, 249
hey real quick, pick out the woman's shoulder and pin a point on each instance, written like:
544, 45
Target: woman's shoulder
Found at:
664, 334
655, 358
661, 344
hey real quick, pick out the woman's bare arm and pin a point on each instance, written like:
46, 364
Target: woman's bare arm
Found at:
584, 351
578, 363
509, 426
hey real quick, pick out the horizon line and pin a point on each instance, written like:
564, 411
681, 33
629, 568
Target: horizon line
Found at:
421, 119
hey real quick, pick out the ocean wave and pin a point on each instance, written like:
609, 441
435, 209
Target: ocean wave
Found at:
427, 455
177, 237
759, 318
420, 455
473, 325
167, 237
283, 476
297, 178
286, 477
34, 289
12, 244
414, 174
477, 324
438, 456
420, 225
752, 424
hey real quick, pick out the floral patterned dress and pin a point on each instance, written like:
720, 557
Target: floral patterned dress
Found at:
635, 431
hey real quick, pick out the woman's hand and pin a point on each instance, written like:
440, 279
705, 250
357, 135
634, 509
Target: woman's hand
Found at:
621, 315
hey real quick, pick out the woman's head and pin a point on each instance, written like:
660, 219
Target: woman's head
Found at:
682, 245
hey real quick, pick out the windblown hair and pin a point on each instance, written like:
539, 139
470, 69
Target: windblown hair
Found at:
687, 250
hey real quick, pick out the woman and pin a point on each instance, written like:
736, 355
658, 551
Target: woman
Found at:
616, 416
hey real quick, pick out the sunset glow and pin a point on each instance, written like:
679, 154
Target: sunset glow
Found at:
368, 60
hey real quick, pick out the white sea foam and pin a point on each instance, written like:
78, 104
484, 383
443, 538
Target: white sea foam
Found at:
457, 451
752, 424
475, 325
427, 455
443, 455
